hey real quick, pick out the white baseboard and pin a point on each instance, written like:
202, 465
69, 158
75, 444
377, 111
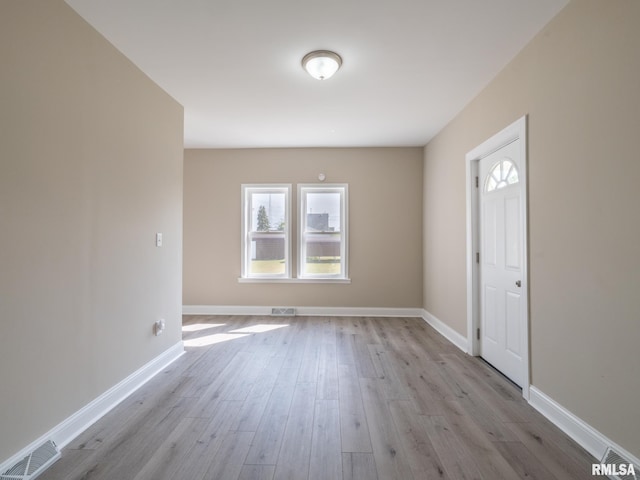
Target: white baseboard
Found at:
580, 431
445, 330
224, 310
304, 311
63, 433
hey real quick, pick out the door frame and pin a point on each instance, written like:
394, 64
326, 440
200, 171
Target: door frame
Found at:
516, 131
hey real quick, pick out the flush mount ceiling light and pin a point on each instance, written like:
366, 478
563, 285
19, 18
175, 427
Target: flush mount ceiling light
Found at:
321, 64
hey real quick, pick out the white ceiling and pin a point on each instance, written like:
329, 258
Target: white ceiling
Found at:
409, 66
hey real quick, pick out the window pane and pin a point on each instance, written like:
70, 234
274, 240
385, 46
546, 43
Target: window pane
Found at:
323, 212
267, 253
267, 212
501, 175
323, 253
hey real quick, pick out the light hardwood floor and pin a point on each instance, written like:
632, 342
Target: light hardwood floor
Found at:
322, 398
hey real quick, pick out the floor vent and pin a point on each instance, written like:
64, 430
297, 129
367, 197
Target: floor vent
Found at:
620, 465
33, 464
283, 312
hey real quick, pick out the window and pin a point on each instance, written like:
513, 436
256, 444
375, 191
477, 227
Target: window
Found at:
322, 238
502, 174
265, 231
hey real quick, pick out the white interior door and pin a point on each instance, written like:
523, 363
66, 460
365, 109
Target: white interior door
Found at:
502, 315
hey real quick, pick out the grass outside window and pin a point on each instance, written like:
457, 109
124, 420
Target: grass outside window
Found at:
315, 265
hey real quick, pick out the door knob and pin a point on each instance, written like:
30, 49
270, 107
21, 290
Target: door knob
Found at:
518, 283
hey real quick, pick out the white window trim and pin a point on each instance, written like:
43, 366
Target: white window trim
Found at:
343, 188
294, 280
245, 228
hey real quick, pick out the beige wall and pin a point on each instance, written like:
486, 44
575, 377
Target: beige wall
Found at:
90, 168
385, 224
579, 82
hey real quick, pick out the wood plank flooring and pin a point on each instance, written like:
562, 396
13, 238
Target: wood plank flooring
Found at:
331, 398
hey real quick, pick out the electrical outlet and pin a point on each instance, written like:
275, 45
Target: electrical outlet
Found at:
158, 239
158, 327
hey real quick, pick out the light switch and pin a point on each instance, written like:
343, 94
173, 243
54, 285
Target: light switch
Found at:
158, 239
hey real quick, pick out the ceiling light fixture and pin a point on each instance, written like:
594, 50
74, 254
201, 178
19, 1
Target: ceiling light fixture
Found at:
321, 64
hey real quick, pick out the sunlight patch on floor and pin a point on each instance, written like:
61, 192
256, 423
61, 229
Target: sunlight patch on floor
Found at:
213, 339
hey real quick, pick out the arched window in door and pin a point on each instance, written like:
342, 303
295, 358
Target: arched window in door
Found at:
502, 174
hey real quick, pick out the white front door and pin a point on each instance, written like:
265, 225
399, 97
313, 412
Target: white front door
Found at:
501, 261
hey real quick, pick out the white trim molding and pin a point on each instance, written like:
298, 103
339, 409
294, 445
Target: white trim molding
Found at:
302, 311
248, 190
580, 431
517, 130
224, 310
63, 433
305, 189
446, 331
293, 280
359, 312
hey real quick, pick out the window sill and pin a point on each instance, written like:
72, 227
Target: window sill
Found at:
294, 280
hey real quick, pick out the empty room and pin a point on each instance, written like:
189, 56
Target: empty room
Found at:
338, 240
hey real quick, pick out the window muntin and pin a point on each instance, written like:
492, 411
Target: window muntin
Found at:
502, 174
266, 231
322, 238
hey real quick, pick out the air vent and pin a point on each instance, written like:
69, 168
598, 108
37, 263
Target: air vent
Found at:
283, 312
33, 464
622, 464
